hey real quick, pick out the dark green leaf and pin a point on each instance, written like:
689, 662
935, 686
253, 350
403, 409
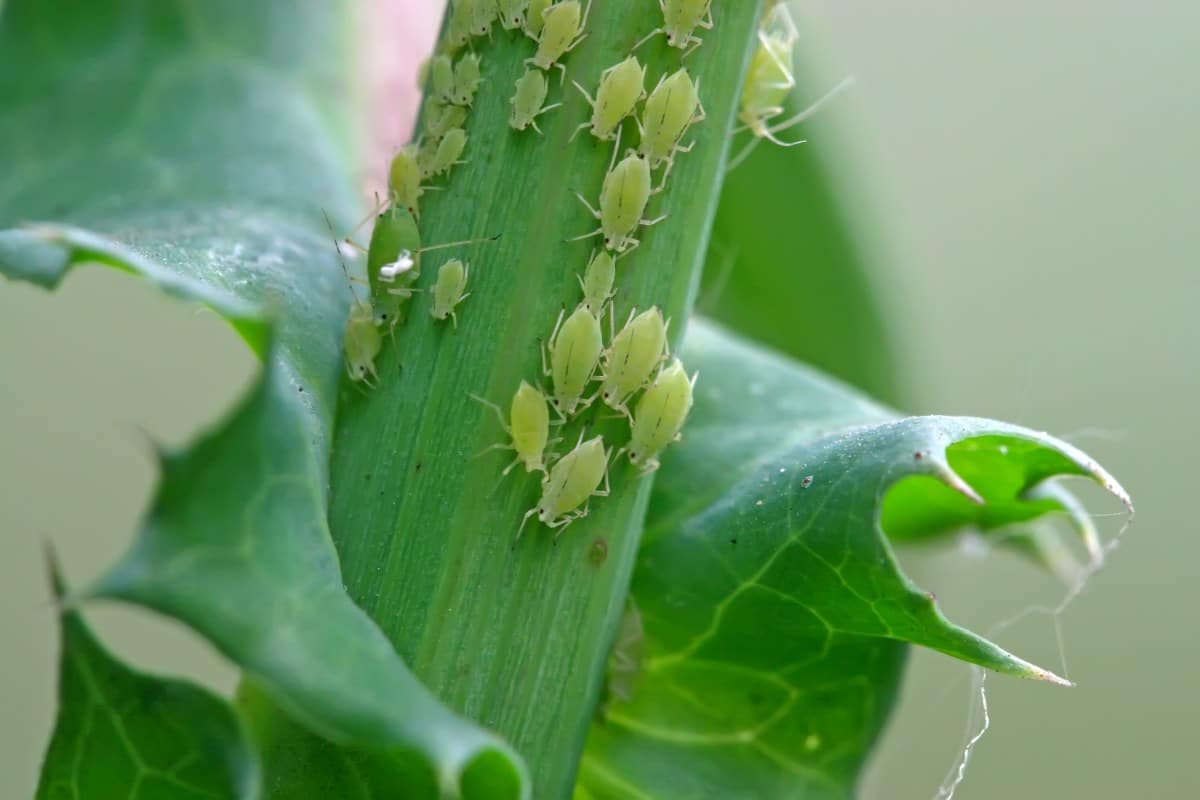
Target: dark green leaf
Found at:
773, 608
196, 145
121, 733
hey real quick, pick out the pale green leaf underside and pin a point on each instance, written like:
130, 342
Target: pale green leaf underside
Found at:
774, 611
197, 145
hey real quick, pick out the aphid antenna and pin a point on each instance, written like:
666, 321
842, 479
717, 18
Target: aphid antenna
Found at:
342, 262
376, 210
484, 240
814, 107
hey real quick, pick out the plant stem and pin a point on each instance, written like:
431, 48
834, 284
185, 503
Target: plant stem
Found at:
517, 636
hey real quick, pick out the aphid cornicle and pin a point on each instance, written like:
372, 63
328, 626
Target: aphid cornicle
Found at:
562, 30
467, 78
597, 282
534, 19
670, 110
573, 480
623, 199
659, 415
404, 179
512, 13
574, 349
527, 101
621, 87
630, 359
450, 289
362, 344
527, 426
680, 20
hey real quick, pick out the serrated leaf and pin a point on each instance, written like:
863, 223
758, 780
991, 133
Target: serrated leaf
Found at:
122, 733
196, 146
774, 611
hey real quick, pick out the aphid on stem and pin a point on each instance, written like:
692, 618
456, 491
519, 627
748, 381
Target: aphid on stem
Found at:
467, 78
680, 20
621, 87
528, 428
394, 262
448, 154
534, 19
597, 282
562, 30
527, 101
361, 341
659, 415
629, 361
672, 108
404, 179
623, 199
512, 13
441, 78
450, 289
439, 118
573, 480
574, 351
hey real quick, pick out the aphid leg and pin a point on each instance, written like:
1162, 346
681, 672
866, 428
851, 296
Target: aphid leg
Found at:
745, 152
595, 213
524, 519
813, 107
695, 41
647, 38
646, 223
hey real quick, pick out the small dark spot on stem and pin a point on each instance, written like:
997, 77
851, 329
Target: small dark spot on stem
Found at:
919, 455
733, 541
418, 467
599, 551
806, 482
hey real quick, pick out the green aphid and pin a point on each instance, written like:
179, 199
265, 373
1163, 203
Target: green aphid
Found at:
467, 77
528, 428
597, 282
562, 30
680, 20
621, 87
573, 480
535, 17
527, 101
440, 159
659, 415
512, 13
672, 108
450, 289
630, 360
441, 78
623, 199
574, 353
438, 118
362, 344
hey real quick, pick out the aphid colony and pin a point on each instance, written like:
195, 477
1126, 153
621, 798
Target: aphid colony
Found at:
632, 373
575, 358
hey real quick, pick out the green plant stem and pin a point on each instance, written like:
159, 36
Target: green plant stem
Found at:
517, 636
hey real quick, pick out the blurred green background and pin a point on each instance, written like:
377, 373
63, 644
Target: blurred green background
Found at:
1033, 166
